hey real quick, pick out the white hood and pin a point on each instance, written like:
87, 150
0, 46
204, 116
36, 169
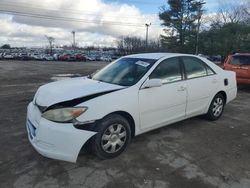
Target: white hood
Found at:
69, 89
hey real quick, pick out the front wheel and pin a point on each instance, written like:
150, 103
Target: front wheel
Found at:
112, 138
216, 107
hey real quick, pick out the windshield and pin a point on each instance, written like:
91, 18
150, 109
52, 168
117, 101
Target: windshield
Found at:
241, 60
125, 72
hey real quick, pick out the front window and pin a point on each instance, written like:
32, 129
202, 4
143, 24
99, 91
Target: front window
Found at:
240, 60
168, 71
125, 72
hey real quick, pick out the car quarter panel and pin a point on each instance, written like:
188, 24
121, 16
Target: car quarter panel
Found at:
231, 87
200, 93
227, 82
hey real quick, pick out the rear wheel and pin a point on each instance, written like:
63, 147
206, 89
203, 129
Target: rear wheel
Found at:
112, 138
216, 107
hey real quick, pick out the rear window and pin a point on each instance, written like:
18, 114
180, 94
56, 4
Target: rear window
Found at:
240, 60
196, 68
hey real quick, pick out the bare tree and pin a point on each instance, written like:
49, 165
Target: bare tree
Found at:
128, 45
230, 12
246, 9
50, 40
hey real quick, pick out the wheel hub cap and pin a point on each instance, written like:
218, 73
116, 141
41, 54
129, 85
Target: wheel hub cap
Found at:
114, 138
217, 107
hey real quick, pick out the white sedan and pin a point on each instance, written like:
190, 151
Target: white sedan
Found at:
128, 97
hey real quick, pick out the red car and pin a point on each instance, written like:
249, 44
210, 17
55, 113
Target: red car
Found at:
80, 57
64, 57
239, 63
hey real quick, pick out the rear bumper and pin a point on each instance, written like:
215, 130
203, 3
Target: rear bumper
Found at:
55, 140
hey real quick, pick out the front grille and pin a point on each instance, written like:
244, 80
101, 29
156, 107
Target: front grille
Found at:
31, 129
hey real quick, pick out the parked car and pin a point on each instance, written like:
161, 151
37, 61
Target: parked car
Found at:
8, 56
128, 97
55, 56
24, 56
239, 63
64, 57
106, 58
48, 57
114, 57
38, 57
80, 57
90, 58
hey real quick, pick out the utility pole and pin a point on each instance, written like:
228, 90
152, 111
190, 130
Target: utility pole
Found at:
147, 26
74, 40
200, 4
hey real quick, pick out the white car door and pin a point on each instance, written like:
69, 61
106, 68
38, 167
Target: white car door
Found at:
202, 83
167, 103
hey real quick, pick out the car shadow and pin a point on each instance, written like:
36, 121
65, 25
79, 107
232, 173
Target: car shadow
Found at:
244, 88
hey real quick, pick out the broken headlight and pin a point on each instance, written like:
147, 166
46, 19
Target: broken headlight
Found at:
64, 114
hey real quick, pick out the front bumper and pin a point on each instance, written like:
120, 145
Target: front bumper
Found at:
55, 140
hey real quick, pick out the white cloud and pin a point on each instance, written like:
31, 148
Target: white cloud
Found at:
95, 22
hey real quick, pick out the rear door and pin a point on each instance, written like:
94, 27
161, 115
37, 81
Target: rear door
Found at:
202, 83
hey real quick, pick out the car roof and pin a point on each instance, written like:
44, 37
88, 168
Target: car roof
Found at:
156, 56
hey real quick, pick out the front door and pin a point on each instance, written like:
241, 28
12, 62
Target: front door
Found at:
167, 103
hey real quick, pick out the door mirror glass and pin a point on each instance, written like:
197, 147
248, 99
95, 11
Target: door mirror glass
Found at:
152, 83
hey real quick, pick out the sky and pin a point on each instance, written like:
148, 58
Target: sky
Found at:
95, 22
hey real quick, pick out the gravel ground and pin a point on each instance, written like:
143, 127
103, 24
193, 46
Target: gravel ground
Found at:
194, 153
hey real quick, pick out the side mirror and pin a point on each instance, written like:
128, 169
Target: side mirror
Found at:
91, 75
152, 83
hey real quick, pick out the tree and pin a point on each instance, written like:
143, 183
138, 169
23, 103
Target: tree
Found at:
230, 12
181, 18
223, 39
229, 31
129, 45
6, 46
50, 40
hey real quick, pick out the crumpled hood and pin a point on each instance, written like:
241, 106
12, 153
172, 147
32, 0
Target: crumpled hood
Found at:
69, 89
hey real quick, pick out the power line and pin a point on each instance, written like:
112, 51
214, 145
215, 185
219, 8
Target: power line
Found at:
61, 18
79, 12
134, 2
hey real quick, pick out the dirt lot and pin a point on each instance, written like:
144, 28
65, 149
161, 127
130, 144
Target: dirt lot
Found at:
194, 153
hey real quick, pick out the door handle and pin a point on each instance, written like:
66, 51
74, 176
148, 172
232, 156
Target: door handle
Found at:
182, 88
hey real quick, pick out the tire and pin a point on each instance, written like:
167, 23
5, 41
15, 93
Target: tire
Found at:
216, 107
113, 136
